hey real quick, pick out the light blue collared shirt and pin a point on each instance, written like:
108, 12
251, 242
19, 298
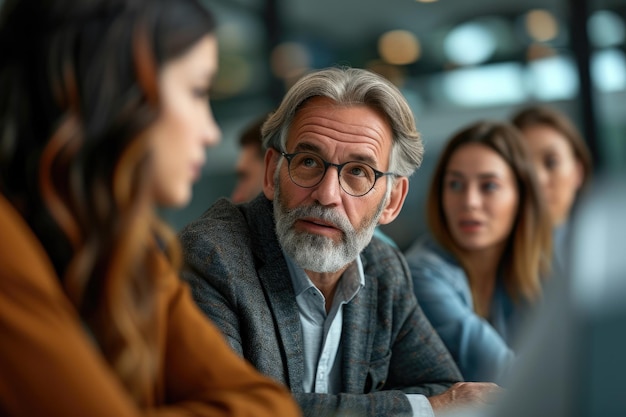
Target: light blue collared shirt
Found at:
321, 332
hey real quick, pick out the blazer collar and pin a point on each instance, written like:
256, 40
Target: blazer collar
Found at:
281, 298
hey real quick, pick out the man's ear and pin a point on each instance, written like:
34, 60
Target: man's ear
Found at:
271, 162
396, 200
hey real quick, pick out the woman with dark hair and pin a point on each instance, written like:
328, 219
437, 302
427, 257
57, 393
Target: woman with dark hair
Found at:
481, 269
104, 116
563, 164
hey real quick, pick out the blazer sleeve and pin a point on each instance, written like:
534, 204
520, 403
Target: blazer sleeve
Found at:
381, 403
479, 351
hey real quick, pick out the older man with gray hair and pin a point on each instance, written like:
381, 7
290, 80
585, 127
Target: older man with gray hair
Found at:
294, 278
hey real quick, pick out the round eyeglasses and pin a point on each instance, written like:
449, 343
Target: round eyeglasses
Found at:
307, 170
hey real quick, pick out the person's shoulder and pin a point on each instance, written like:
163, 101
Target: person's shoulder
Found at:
425, 251
384, 263
379, 234
431, 264
223, 211
380, 249
220, 221
24, 261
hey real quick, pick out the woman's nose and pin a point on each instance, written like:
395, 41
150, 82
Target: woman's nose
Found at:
212, 132
472, 197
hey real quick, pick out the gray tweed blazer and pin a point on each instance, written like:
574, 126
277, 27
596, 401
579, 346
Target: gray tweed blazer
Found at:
240, 279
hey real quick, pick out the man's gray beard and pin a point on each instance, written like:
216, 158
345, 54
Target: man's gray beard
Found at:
320, 253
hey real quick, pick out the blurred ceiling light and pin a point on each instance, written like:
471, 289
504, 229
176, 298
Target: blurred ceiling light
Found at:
426, 1
553, 78
290, 59
606, 29
608, 68
399, 47
541, 25
488, 85
470, 43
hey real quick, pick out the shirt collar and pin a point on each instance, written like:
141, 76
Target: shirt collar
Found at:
352, 280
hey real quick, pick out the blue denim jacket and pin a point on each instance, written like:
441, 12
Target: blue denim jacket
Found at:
482, 349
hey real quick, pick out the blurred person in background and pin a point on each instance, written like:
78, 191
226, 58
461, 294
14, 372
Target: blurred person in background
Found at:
250, 165
572, 362
563, 164
104, 115
480, 268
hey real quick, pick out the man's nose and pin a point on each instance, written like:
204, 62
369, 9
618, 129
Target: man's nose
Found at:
328, 191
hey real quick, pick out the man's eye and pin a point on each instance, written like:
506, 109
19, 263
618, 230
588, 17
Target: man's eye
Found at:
309, 162
357, 171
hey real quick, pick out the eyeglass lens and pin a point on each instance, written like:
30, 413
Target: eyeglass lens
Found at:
307, 170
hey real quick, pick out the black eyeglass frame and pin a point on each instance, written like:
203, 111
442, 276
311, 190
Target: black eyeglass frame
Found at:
377, 174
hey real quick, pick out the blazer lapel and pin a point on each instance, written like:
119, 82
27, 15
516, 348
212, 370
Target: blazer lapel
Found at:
276, 281
282, 301
358, 322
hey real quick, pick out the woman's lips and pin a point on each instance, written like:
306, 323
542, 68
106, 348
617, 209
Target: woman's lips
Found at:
469, 226
196, 170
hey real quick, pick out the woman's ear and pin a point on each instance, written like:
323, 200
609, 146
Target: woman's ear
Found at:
396, 200
271, 162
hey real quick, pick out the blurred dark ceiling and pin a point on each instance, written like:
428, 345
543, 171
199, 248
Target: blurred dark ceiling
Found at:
347, 32
348, 22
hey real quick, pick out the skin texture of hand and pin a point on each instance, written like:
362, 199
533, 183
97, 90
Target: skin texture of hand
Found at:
465, 394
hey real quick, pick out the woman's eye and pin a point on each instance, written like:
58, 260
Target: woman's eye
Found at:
455, 185
490, 186
551, 162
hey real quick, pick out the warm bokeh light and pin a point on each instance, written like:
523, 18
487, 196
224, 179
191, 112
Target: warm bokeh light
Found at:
539, 51
399, 47
290, 59
393, 73
234, 76
541, 25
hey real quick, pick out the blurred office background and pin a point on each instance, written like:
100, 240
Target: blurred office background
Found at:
456, 61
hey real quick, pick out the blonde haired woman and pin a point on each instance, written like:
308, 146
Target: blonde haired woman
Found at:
478, 272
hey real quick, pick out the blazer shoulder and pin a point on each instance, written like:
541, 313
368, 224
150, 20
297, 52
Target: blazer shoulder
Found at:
223, 224
384, 262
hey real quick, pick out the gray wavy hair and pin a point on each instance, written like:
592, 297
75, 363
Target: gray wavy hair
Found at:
352, 86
